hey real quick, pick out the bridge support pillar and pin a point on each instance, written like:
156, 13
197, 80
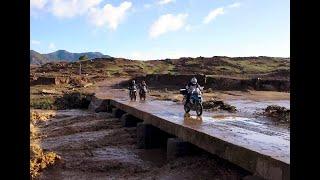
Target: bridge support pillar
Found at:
149, 137
117, 112
109, 108
129, 120
178, 148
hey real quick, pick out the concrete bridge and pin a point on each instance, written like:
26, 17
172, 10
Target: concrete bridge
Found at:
258, 148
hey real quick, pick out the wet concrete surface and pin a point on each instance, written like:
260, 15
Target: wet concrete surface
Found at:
258, 134
245, 128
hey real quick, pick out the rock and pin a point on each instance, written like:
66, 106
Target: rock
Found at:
87, 85
45, 91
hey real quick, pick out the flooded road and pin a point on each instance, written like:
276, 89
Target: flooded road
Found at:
251, 107
243, 128
96, 146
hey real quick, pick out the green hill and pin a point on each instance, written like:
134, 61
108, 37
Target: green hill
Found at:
61, 55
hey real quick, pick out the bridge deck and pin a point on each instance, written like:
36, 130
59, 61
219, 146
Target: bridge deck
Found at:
261, 148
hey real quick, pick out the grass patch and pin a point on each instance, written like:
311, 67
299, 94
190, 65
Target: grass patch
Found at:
42, 103
73, 100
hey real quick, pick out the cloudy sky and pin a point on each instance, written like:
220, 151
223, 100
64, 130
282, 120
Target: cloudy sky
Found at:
155, 29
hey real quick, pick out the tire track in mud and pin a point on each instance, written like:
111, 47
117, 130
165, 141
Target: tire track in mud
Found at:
96, 146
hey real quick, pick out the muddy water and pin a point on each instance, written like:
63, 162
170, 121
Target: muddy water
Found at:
96, 146
251, 107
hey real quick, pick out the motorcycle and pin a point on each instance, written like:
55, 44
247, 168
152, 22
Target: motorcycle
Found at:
133, 94
195, 101
143, 92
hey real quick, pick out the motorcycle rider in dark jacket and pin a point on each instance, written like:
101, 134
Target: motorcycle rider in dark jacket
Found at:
143, 86
192, 84
133, 85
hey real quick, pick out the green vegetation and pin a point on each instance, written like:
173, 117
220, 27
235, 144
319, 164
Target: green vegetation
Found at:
237, 67
83, 58
67, 101
42, 103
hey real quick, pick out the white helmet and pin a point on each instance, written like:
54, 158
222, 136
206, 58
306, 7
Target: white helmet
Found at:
194, 80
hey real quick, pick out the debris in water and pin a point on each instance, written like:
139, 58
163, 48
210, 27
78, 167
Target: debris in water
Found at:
215, 105
278, 112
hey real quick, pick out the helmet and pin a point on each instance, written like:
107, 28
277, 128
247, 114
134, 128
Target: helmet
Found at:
194, 80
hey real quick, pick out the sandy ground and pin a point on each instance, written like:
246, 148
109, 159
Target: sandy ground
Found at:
96, 146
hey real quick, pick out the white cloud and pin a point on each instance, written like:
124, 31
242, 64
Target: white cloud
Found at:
37, 4
110, 15
166, 23
147, 6
35, 42
71, 8
234, 5
213, 14
162, 2
52, 46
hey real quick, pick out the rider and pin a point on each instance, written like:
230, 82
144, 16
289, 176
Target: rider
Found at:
143, 86
193, 83
133, 85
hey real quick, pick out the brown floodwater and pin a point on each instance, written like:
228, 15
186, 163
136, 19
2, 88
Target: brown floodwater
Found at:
96, 146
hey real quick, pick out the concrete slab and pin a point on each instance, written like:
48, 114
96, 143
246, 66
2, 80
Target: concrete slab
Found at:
261, 149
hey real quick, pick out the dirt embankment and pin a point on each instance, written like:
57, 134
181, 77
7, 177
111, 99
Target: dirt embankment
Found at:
70, 100
96, 146
40, 159
214, 82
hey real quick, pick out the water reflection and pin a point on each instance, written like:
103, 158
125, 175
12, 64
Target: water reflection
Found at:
192, 120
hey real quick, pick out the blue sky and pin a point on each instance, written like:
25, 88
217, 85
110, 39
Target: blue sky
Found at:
156, 29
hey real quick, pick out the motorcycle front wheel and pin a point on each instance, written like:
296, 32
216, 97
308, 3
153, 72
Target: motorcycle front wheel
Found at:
186, 108
199, 109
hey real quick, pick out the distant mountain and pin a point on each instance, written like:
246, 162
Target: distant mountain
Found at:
62, 55
37, 58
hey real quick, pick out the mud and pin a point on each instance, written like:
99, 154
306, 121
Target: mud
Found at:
96, 146
215, 105
73, 100
278, 113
